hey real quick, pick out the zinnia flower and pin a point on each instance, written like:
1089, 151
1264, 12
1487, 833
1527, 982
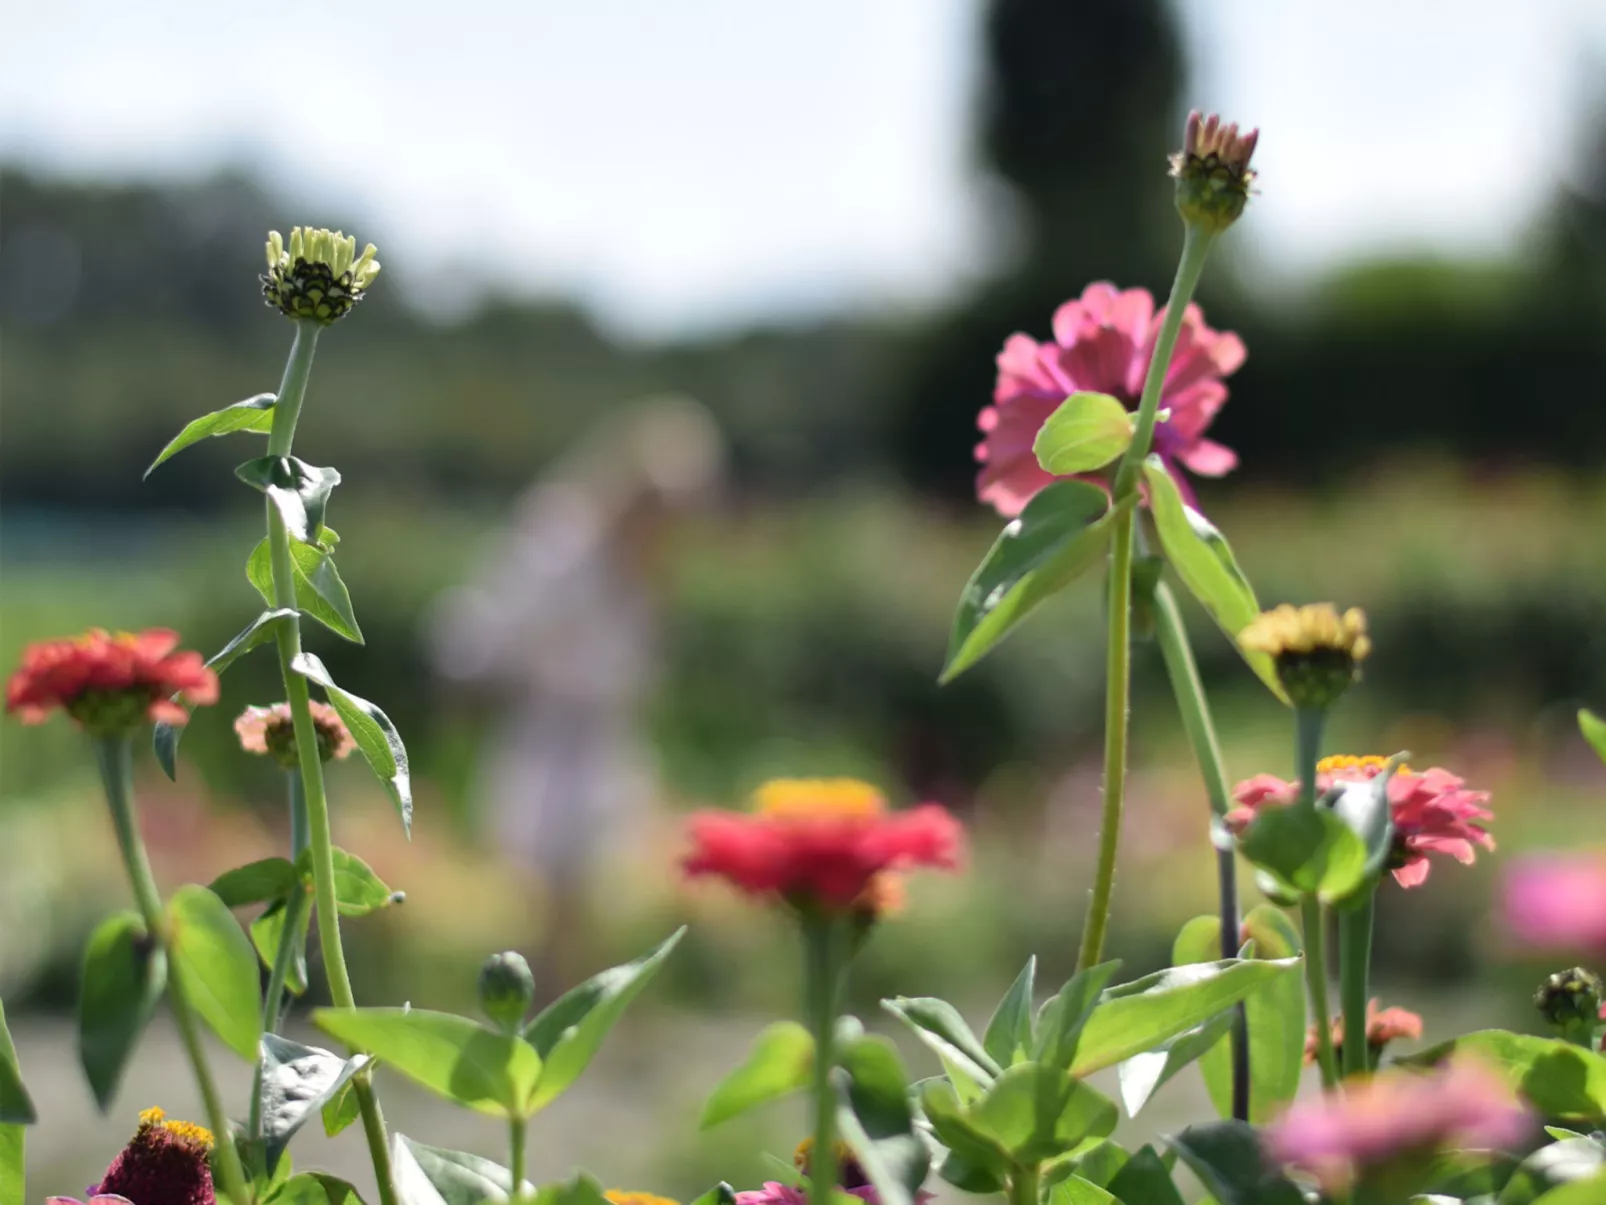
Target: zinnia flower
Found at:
820, 842
1212, 172
165, 1164
100, 1198
1382, 1027
1558, 901
1394, 1114
318, 275
1318, 651
272, 730
1433, 811
1103, 343
109, 683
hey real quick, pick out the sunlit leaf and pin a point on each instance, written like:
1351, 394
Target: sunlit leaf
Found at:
253, 414
1086, 432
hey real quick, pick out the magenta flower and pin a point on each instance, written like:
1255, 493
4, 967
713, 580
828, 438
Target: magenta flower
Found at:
1557, 901
776, 1193
1103, 343
1434, 812
103, 1198
1394, 1114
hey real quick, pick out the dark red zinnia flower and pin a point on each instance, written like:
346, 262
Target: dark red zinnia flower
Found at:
824, 841
109, 682
164, 1164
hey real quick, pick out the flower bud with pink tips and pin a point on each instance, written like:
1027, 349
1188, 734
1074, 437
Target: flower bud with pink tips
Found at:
1212, 172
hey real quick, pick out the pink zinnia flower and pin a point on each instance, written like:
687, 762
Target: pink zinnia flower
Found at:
1434, 812
100, 1198
1103, 343
1558, 901
272, 730
166, 1163
109, 682
1382, 1027
1397, 1113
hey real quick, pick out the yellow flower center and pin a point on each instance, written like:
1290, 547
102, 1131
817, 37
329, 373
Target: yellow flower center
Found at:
818, 798
619, 1197
1347, 763
185, 1131
1305, 630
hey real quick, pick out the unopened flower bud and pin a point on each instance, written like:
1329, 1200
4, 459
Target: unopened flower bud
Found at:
506, 989
1318, 652
1212, 172
317, 275
1571, 999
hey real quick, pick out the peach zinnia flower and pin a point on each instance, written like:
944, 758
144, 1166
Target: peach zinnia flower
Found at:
272, 730
1558, 901
164, 1164
1382, 1027
109, 683
1103, 343
1434, 812
820, 841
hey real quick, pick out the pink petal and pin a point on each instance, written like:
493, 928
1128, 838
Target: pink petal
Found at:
1209, 459
1414, 873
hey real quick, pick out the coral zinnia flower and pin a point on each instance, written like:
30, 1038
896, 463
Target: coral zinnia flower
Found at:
1397, 1113
1558, 901
1382, 1027
820, 841
165, 1164
1103, 343
1434, 812
271, 730
109, 683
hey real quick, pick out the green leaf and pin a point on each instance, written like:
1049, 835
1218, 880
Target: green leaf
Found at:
375, 735
452, 1056
299, 491
579, 1190
1096, 1164
977, 1163
255, 882
255, 414
1145, 1178
344, 1106
1276, 1014
720, 1194
1594, 730
780, 1062
1009, 1034
267, 931
1559, 1163
1060, 534
1562, 1081
939, 1025
1364, 809
1073, 1190
16, 1108
874, 1117
315, 1188
1307, 849
1580, 1192
358, 890
1087, 432
1034, 1112
1227, 1158
13, 1162
569, 1031
1063, 1019
430, 1175
1203, 560
320, 594
219, 968
1143, 1074
1140, 1015
125, 973
297, 1081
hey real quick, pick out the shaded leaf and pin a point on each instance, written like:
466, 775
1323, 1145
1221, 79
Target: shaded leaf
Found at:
255, 882
1307, 849
1086, 432
376, 737
345, 1106
1009, 1034
430, 1175
1146, 1178
875, 1119
297, 1081
939, 1025
1565, 1162
218, 967
1143, 1074
299, 491
267, 931
320, 592
16, 1107
1063, 1018
1562, 1081
254, 414
124, 975
977, 1163
1034, 1112
315, 1188
780, 1062
1227, 1158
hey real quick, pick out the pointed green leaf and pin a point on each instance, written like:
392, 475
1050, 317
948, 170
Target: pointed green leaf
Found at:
452, 1056
1058, 536
720, 1194
1145, 1178
297, 1081
268, 930
1062, 1020
218, 966
780, 1062
1142, 1075
1594, 730
1308, 850
1073, 1190
569, 1031
430, 1175
875, 1119
1203, 560
1034, 1113
16, 1108
315, 1188
976, 1162
255, 882
299, 491
376, 737
124, 975
1140, 1015
1086, 432
358, 890
1364, 808
1227, 1158
1562, 1081
255, 414
344, 1107
320, 592
1009, 1034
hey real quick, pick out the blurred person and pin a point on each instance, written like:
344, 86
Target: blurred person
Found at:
559, 628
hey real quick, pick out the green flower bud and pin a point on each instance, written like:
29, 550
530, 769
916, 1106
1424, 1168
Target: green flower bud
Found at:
318, 275
506, 989
1212, 172
1571, 999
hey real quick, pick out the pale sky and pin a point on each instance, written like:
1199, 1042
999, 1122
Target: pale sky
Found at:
689, 165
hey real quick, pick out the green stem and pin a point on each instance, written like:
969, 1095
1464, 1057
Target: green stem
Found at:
515, 1161
1025, 1185
1354, 965
1307, 747
286, 413
115, 757
822, 979
1194, 708
295, 917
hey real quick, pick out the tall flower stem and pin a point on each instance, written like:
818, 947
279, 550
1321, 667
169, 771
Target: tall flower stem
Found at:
1307, 747
1194, 708
1354, 967
1025, 1185
286, 413
515, 1163
115, 757
1118, 661
825, 951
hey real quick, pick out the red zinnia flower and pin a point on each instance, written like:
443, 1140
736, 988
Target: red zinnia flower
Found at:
165, 1164
823, 841
1382, 1027
1103, 343
1434, 812
109, 682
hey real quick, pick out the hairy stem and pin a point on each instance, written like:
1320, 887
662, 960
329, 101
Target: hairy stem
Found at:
1307, 747
1354, 970
115, 757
